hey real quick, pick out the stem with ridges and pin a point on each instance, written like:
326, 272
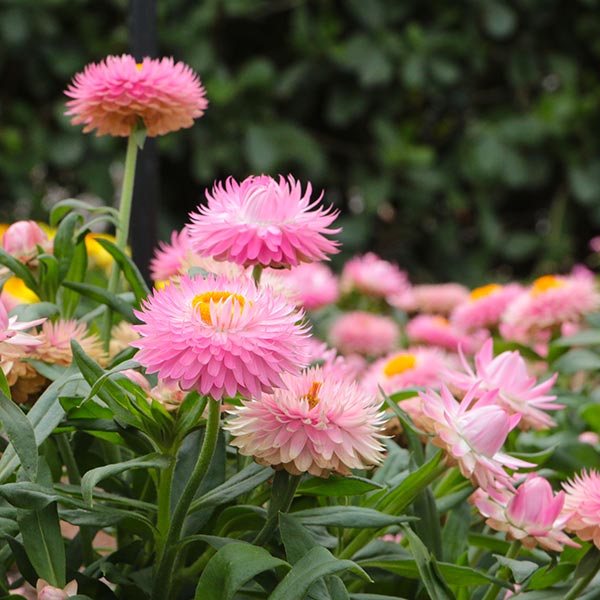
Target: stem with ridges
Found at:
580, 585
504, 572
164, 571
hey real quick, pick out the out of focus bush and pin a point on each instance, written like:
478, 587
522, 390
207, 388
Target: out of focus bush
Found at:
460, 139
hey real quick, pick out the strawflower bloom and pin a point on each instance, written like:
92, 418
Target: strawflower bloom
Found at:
12, 331
15, 292
435, 330
360, 332
333, 364
472, 433
531, 515
312, 284
47, 592
220, 336
440, 298
114, 95
518, 392
582, 503
314, 423
485, 306
371, 275
21, 240
263, 221
552, 301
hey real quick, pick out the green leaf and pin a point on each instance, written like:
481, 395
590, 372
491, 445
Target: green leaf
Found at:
231, 567
60, 209
20, 434
578, 360
588, 337
77, 271
91, 478
103, 296
316, 563
348, 516
521, 569
296, 539
19, 270
338, 486
129, 269
63, 245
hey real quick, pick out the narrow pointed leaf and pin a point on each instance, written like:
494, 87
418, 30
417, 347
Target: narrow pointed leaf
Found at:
103, 296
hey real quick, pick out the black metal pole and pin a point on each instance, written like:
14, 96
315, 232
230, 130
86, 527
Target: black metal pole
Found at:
144, 212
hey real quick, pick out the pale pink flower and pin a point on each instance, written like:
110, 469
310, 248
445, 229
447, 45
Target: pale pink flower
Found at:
371, 275
594, 244
334, 365
313, 424
485, 306
114, 95
472, 433
589, 437
414, 366
21, 240
313, 285
12, 330
441, 298
518, 392
531, 515
360, 332
220, 336
263, 221
47, 592
551, 301
435, 330
582, 503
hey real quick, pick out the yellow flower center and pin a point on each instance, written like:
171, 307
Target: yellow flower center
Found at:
15, 287
441, 321
545, 283
202, 303
484, 290
139, 66
312, 396
399, 364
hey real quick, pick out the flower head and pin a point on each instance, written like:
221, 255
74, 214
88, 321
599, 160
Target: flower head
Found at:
360, 332
440, 298
47, 592
435, 330
582, 503
532, 514
518, 392
263, 221
113, 95
220, 336
312, 284
314, 423
373, 276
12, 330
21, 240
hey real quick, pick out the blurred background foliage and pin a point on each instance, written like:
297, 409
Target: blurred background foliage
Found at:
458, 138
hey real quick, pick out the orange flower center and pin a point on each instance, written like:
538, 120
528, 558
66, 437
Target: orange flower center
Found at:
202, 303
312, 397
399, 364
483, 291
441, 321
139, 66
545, 283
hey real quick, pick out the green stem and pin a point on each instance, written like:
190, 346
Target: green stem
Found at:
164, 506
580, 585
164, 571
122, 232
504, 572
282, 494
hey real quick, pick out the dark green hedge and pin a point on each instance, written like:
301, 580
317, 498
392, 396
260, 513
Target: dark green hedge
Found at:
460, 138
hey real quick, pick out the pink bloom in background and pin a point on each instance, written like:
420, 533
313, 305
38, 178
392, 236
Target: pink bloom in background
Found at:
114, 95
414, 366
360, 332
485, 306
472, 433
220, 336
582, 503
371, 275
333, 364
47, 592
518, 392
438, 331
12, 331
22, 238
551, 301
312, 284
263, 221
532, 514
589, 437
313, 424
594, 244
441, 298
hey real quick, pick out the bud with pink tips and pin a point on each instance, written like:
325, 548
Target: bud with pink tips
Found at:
45, 591
21, 240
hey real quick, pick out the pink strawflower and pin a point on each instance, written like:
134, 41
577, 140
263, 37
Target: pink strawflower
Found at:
312, 284
472, 433
21, 240
582, 503
589, 437
334, 365
531, 515
220, 336
314, 423
594, 244
371, 275
360, 332
114, 95
551, 301
518, 392
485, 306
12, 331
435, 330
441, 298
414, 366
263, 221
47, 592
